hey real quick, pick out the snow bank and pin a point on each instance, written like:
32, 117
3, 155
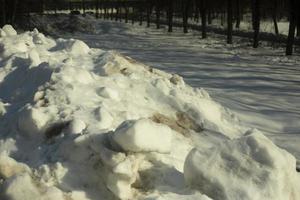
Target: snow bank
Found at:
142, 136
249, 168
84, 124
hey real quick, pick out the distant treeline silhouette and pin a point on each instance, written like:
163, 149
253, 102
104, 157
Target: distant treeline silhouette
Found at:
229, 14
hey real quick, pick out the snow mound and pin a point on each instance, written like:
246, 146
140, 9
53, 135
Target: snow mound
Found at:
248, 168
143, 135
86, 124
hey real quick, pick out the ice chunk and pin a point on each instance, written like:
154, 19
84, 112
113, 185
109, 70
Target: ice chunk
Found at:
32, 121
78, 48
248, 168
9, 30
143, 135
76, 126
21, 187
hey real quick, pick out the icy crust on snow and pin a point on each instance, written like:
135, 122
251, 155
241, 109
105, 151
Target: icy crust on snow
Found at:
79, 123
249, 168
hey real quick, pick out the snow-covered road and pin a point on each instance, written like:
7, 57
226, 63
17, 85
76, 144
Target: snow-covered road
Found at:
261, 86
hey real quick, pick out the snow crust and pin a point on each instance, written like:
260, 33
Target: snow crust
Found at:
250, 167
78, 123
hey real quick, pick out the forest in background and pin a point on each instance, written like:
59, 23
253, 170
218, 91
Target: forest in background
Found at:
229, 14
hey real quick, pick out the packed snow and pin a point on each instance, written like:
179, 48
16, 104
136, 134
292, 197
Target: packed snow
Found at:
79, 123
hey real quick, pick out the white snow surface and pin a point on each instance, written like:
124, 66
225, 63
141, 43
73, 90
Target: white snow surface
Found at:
78, 123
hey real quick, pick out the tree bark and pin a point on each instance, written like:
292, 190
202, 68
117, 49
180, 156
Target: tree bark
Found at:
229, 21
292, 27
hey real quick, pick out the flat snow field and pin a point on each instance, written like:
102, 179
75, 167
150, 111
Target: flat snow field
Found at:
261, 86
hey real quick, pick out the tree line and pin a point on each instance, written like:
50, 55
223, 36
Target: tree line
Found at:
185, 13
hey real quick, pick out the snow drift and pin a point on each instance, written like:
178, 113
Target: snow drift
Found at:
80, 123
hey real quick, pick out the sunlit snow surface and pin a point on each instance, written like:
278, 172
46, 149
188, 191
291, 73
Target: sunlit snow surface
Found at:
80, 123
260, 85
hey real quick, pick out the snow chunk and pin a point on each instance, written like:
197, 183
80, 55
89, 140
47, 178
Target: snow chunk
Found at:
248, 168
34, 58
2, 33
104, 117
119, 187
108, 93
79, 195
76, 126
78, 47
143, 135
53, 193
9, 30
21, 187
9, 167
32, 121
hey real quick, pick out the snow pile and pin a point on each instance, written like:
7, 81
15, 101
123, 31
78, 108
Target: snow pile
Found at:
54, 24
249, 168
82, 124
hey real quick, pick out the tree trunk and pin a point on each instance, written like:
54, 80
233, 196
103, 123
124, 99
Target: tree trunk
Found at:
238, 14
229, 21
97, 9
298, 24
149, 8
292, 27
83, 6
170, 16
117, 13
14, 12
209, 18
157, 10
141, 15
186, 6
132, 15
3, 13
126, 14
256, 21
274, 16
203, 18
111, 12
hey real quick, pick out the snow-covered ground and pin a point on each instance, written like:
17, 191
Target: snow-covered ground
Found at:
82, 123
261, 86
